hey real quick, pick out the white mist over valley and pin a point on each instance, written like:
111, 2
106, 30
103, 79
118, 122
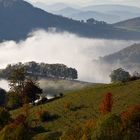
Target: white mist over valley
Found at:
69, 49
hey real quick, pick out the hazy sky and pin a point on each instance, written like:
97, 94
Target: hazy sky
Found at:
89, 2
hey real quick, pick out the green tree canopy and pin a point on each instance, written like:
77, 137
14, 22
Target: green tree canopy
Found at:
119, 75
40, 70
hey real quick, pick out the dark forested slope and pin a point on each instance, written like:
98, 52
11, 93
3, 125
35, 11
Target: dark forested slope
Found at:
18, 18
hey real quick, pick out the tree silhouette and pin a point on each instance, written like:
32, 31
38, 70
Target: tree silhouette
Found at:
23, 85
31, 90
17, 80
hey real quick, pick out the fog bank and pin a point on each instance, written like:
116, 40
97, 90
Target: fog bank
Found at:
66, 48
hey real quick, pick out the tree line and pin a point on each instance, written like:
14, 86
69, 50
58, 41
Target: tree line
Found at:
42, 70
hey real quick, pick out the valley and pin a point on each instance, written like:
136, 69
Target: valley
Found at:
69, 70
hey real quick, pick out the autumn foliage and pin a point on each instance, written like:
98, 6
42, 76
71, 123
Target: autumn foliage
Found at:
131, 117
106, 104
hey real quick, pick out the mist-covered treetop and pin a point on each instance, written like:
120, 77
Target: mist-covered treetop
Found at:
42, 70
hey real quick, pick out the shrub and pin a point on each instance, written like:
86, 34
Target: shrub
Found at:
2, 97
13, 100
120, 75
61, 94
17, 130
44, 115
4, 117
131, 122
131, 117
135, 76
106, 104
14, 132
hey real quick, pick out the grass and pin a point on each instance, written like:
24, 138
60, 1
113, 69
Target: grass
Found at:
81, 105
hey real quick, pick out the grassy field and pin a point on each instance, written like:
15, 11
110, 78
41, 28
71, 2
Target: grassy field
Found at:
81, 105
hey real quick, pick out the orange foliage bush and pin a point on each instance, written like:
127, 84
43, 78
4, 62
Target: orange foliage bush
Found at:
131, 116
106, 104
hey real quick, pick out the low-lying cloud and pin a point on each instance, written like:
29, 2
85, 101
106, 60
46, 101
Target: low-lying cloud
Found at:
66, 48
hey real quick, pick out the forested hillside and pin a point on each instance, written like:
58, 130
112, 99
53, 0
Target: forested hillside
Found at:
19, 18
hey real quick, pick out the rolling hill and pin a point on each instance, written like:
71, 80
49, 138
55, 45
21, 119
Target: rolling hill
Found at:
128, 58
86, 103
67, 12
130, 24
120, 12
19, 18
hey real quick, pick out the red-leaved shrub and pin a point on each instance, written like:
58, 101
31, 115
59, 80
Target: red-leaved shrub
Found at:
131, 117
106, 104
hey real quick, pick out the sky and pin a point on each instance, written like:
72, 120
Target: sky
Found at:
89, 2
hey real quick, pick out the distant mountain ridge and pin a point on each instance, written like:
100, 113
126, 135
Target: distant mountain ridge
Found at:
50, 8
19, 18
84, 15
107, 12
113, 7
